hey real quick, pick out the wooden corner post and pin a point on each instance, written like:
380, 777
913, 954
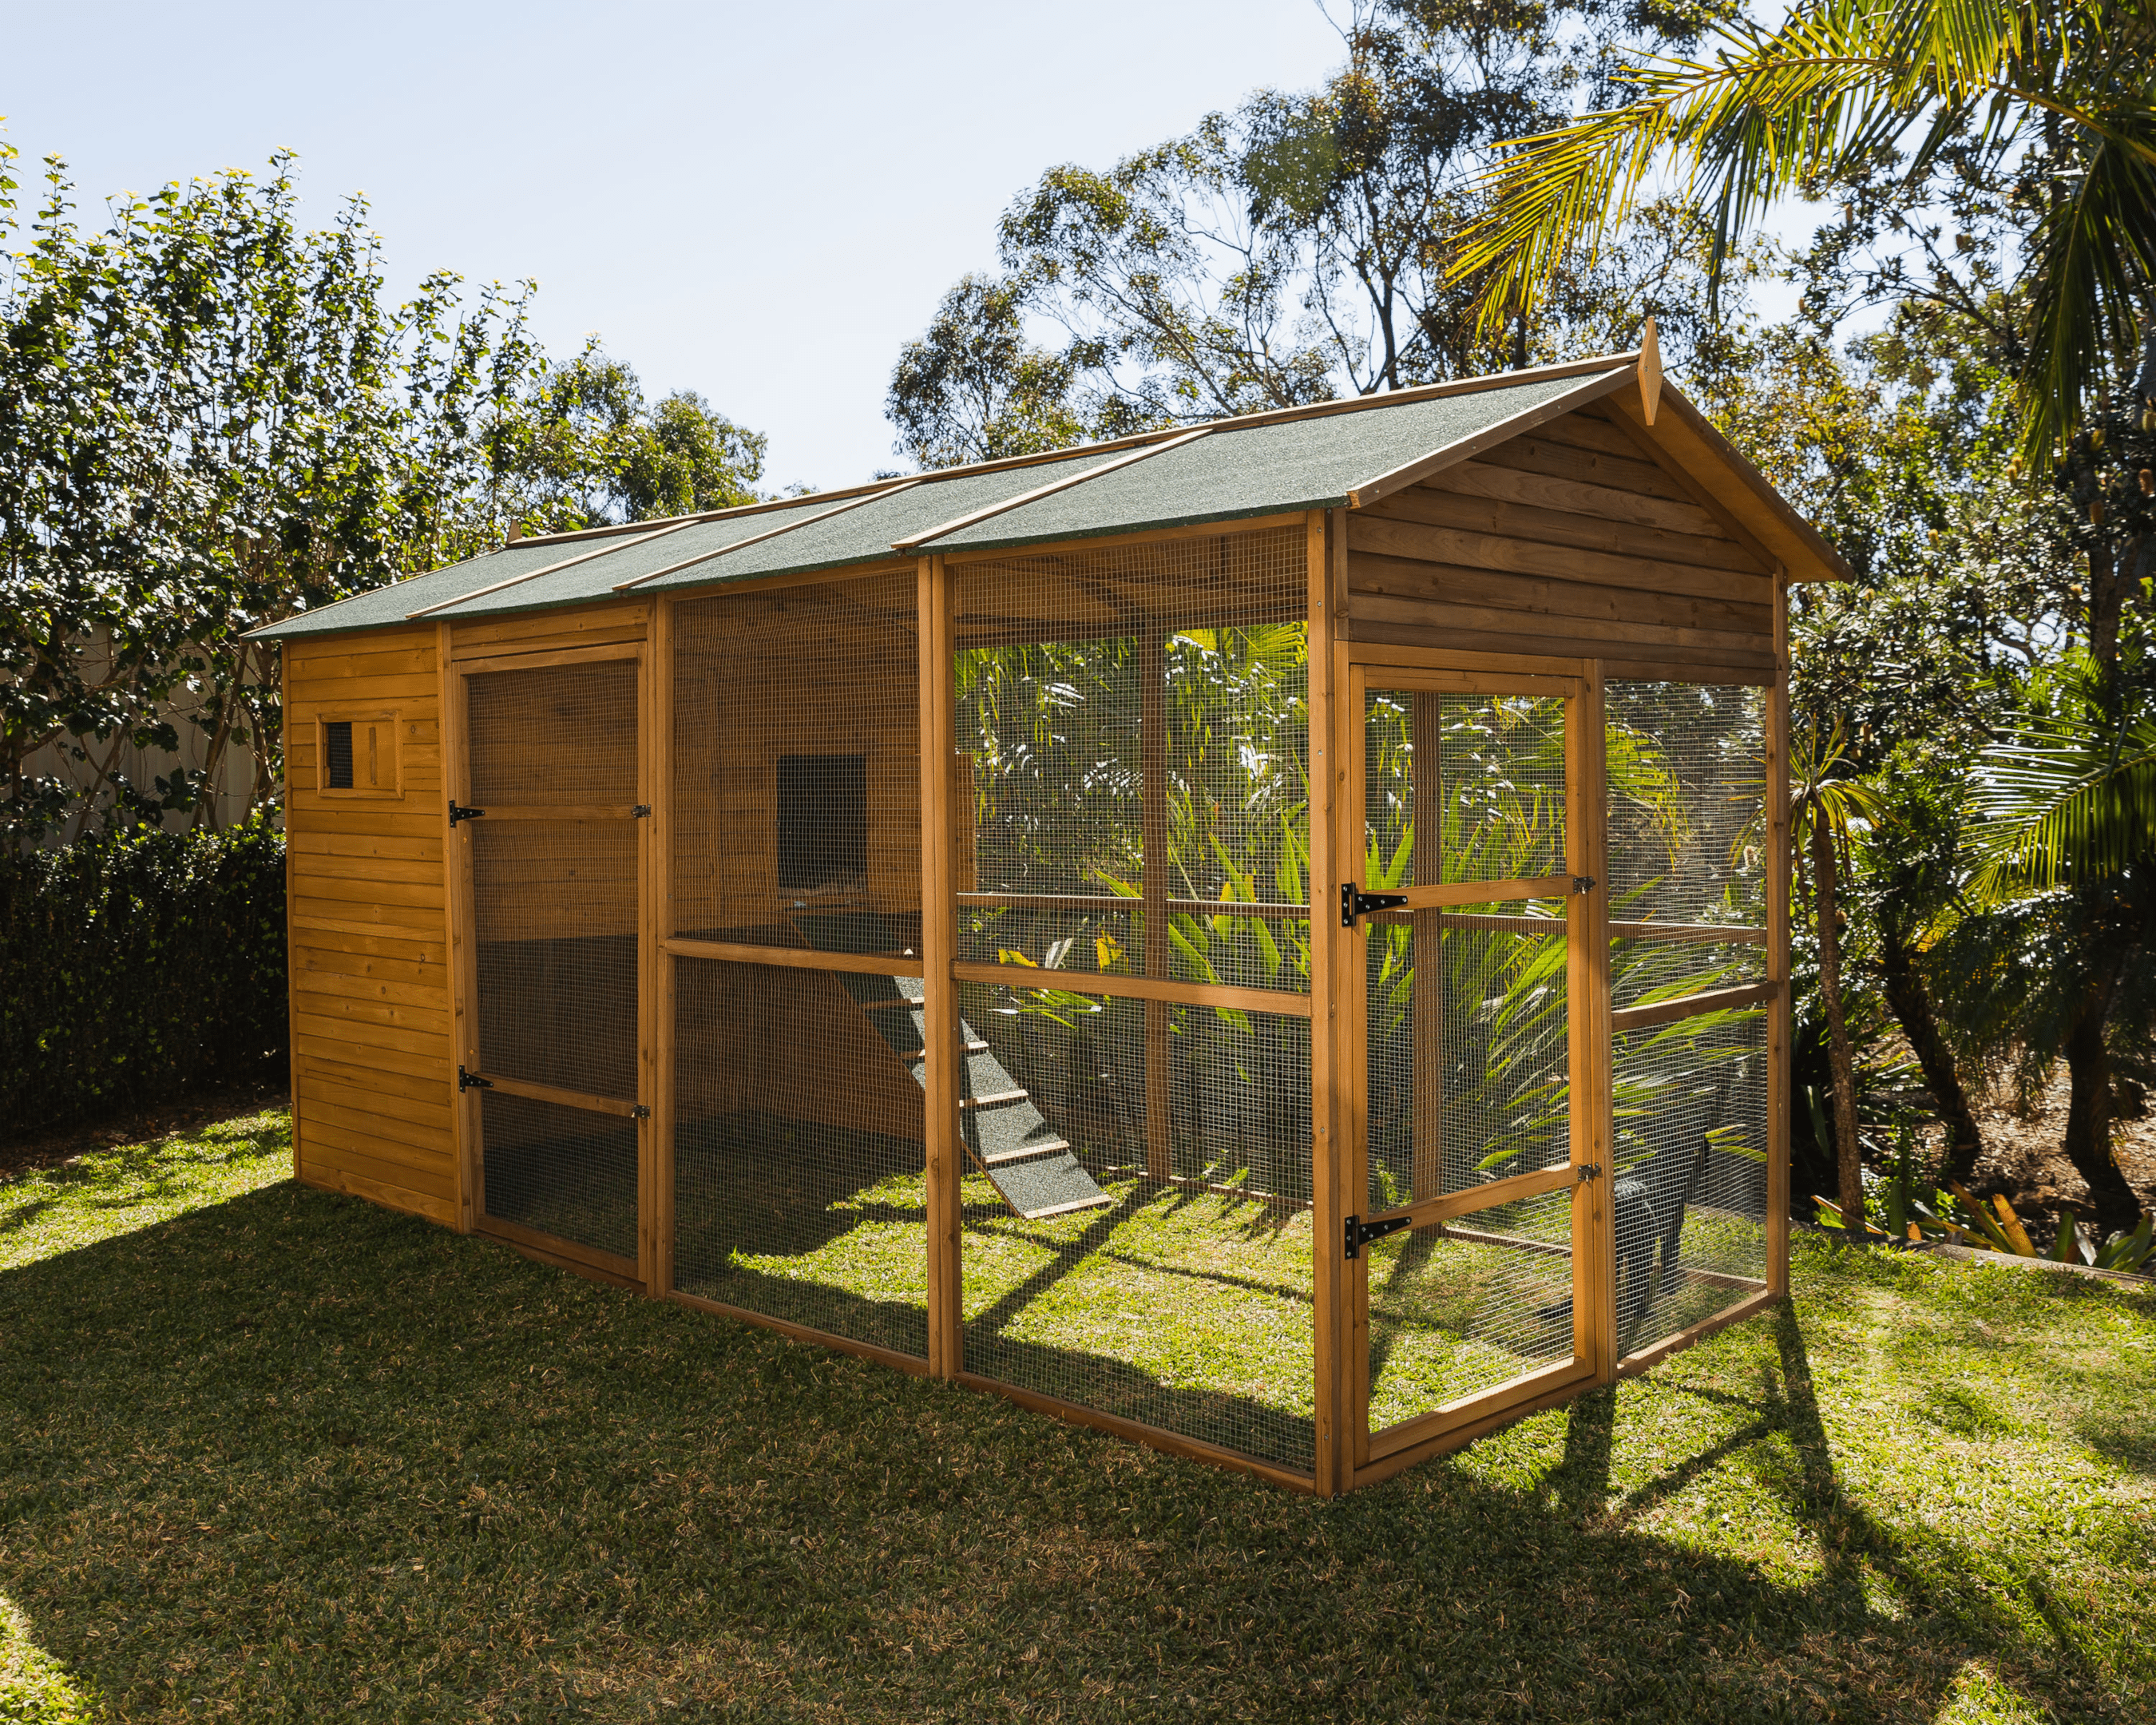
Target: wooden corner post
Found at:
656, 969
460, 951
1776, 765
1332, 1452
942, 1164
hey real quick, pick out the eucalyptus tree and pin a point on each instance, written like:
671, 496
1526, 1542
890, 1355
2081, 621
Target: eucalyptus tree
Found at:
1295, 248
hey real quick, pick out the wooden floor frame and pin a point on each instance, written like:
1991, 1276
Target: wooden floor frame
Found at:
1345, 1453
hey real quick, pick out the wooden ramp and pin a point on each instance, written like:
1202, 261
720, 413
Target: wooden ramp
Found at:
1004, 1132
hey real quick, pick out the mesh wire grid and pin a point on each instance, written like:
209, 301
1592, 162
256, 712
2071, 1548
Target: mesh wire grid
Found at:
1134, 724
555, 907
567, 1171
1493, 808
560, 736
1686, 847
1686, 778
1468, 1305
1468, 1044
1690, 1192
799, 1129
798, 1123
1183, 1299
1085, 680
797, 776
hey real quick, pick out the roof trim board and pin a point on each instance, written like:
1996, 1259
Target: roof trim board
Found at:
480, 592
914, 541
821, 515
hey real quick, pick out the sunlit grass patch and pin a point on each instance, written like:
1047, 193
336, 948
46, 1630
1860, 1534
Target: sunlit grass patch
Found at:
46, 1211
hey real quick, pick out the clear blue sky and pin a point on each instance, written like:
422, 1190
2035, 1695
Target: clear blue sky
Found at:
760, 202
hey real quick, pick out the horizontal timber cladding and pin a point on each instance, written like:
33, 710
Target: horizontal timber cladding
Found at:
1565, 542
373, 1070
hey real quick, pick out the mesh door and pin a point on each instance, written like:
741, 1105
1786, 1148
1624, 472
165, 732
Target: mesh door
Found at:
1688, 873
554, 860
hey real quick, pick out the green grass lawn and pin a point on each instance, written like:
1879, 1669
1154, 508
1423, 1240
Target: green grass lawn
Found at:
267, 1454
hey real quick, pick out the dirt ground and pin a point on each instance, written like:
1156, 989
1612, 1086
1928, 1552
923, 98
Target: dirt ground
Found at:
2025, 1154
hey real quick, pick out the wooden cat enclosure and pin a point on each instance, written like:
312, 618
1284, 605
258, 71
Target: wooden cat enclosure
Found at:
1266, 939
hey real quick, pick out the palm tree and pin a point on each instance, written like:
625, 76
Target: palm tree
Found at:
1828, 93
2066, 798
1826, 805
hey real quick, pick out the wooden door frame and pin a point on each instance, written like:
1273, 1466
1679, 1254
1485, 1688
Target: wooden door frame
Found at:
1368, 1456
649, 1266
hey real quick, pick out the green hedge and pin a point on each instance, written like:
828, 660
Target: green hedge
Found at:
139, 965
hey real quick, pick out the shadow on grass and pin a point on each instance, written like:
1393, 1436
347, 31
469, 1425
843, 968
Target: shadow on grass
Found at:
292, 1457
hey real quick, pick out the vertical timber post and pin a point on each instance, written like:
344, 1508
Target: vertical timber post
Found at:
1332, 1453
939, 939
1776, 766
1152, 798
460, 952
658, 920
1595, 1221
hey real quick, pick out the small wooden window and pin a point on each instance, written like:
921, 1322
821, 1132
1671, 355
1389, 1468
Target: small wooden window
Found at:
358, 755
822, 823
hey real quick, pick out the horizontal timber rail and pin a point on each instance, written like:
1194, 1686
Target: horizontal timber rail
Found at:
797, 957
1706, 934
1691, 1006
1509, 1190
1135, 987
561, 1098
1270, 912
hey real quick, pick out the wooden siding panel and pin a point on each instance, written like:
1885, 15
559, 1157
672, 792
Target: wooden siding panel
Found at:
1564, 543
370, 1011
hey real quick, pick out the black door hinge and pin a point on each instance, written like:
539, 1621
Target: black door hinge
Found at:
641, 811
458, 812
1355, 903
1582, 883
472, 1081
1361, 1233
1589, 1170
639, 1113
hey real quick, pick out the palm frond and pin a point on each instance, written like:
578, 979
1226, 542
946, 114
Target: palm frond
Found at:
2069, 799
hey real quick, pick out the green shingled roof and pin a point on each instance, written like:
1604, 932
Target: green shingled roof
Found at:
1240, 469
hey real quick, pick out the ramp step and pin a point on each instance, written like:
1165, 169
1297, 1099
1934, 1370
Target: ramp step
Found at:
1001, 1099
1022, 1153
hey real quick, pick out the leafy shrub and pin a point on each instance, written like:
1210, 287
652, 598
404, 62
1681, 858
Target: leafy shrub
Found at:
139, 964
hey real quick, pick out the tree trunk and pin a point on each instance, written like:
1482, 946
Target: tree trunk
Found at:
2088, 1109
1911, 1002
1848, 1166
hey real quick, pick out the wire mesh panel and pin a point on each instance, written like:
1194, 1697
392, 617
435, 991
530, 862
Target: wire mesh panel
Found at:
1466, 1307
560, 736
1133, 725
553, 765
1468, 1048
1183, 1302
570, 1173
1688, 870
798, 1148
1461, 787
797, 776
1690, 1195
